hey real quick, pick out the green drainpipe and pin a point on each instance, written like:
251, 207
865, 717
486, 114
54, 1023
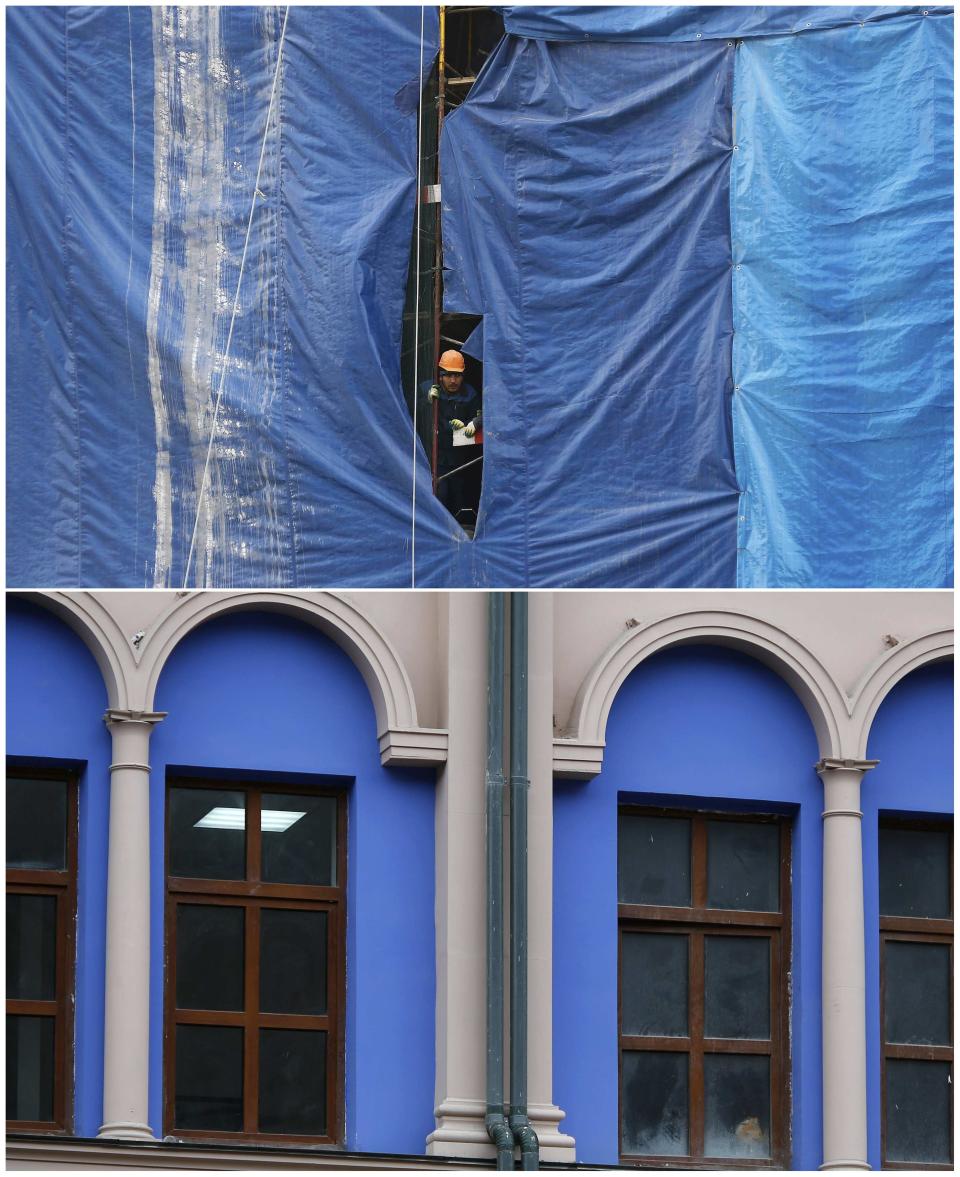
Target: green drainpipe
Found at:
520, 1125
498, 1127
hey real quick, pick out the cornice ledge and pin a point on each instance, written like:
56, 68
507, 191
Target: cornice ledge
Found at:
576, 759
413, 746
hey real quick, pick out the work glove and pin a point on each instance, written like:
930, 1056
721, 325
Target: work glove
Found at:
456, 423
471, 429
434, 393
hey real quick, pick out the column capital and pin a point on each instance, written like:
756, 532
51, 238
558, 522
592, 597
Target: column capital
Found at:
835, 763
119, 715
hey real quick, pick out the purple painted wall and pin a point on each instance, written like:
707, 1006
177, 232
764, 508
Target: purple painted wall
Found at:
264, 694
912, 737
704, 727
55, 704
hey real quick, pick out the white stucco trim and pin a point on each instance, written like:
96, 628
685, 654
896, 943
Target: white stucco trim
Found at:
401, 739
99, 632
884, 675
578, 751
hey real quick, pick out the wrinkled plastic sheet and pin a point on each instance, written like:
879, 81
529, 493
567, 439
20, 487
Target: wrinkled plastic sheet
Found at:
134, 136
686, 22
589, 224
843, 305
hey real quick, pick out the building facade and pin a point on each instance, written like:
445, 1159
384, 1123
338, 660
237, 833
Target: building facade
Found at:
738, 853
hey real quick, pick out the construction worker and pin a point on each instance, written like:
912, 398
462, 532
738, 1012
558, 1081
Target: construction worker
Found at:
459, 408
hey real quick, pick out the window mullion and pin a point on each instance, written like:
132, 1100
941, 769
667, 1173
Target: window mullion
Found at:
251, 1033
696, 1008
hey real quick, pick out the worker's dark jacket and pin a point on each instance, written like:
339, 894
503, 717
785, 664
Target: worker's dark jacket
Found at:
466, 406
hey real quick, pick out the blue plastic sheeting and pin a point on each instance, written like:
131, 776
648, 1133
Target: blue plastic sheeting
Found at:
693, 23
133, 143
843, 233
589, 224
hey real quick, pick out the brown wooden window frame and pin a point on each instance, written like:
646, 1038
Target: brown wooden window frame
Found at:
63, 885
697, 921
253, 895
917, 929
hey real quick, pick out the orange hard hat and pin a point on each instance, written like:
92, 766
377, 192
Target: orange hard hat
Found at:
452, 361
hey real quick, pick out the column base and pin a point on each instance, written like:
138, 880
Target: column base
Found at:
844, 1165
461, 1132
125, 1130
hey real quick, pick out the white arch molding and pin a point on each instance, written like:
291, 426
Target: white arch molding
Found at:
131, 676
578, 753
880, 680
401, 739
99, 632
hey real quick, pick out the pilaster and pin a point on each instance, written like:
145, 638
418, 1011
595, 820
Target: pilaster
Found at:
844, 1006
127, 997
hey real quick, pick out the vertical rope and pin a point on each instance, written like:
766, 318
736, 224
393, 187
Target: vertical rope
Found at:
236, 299
416, 320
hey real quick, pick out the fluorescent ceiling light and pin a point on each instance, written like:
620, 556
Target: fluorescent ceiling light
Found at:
272, 821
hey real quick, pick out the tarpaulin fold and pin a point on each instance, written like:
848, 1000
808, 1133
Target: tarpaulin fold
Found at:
633, 345
843, 232
589, 225
687, 22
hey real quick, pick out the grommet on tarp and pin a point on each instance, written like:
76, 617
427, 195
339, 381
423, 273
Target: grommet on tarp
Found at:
700, 35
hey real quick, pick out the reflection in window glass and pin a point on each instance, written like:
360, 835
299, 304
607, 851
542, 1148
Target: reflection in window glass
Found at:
32, 947
207, 833
209, 957
918, 1111
299, 839
737, 1105
915, 876
654, 991
654, 1103
653, 860
743, 865
293, 1090
36, 824
209, 1091
293, 961
917, 1004
30, 1068
737, 979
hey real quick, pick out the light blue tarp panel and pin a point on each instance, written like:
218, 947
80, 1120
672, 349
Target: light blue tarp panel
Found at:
134, 137
843, 236
684, 23
589, 224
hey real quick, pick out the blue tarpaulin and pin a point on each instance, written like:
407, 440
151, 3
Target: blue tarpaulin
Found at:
590, 182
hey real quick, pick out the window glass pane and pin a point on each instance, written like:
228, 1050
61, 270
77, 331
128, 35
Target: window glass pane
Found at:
736, 1105
918, 1111
32, 947
299, 839
654, 988
654, 1103
743, 865
915, 873
30, 1063
209, 1083
293, 1082
737, 980
36, 824
917, 997
653, 860
293, 961
209, 957
207, 833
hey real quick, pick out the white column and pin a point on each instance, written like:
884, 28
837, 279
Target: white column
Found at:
127, 1005
461, 887
844, 1010
544, 1114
